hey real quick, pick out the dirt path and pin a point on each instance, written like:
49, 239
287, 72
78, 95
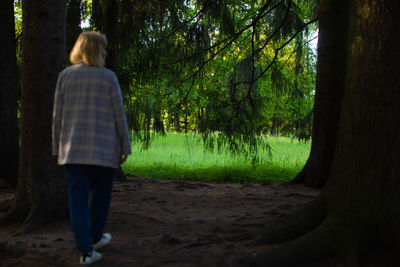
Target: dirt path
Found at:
164, 223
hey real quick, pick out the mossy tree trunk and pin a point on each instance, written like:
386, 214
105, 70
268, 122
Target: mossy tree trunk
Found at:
333, 22
359, 206
41, 192
8, 96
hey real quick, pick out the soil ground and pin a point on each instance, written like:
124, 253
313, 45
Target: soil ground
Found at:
165, 223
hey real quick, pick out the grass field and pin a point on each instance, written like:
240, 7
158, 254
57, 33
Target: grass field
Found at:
179, 156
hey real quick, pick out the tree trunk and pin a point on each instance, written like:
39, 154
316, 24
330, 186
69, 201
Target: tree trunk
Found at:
41, 193
73, 23
186, 124
359, 208
110, 14
8, 96
177, 122
275, 127
111, 29
96, 18
329, 91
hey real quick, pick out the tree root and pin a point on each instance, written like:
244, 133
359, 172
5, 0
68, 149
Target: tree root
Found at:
6, 205
312, 175
330, 239
10, 250
16, 214
313, 233
292, 226
39, 216
300, 177
32, 216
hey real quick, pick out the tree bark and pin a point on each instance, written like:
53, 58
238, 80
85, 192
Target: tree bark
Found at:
110, 14
111, 29
96, 19
73, 23
41, 193
359, 208
177, 120
332, 43
8, 96
186, 123
275, 127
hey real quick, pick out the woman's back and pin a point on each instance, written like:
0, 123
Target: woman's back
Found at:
91, 116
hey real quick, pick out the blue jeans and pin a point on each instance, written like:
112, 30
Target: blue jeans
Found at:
89, 192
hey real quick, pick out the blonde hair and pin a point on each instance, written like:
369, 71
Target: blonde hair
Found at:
88, 49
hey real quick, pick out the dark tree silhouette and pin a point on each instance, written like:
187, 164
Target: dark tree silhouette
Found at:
333, 22
73, 28
8, 96
110, 23
41, 191
359, 205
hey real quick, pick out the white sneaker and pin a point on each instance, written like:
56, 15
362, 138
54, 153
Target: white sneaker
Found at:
91, 257
104, 241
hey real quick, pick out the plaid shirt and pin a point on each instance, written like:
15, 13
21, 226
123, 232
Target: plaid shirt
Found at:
89, 123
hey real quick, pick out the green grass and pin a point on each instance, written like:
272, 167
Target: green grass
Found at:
179, 156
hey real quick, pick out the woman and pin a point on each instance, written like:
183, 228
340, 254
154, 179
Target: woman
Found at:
91, 139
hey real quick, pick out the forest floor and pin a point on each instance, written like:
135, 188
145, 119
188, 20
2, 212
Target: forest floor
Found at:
165, 223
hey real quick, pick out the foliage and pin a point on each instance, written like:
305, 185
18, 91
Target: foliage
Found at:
228, 69
218, 66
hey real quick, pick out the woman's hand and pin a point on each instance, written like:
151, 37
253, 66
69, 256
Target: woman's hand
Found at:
123, 159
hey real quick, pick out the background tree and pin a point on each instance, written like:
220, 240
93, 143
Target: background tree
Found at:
41, 192
358, 208
8, 96
110, 23
73, 23
329, 92
96, 16
105, 17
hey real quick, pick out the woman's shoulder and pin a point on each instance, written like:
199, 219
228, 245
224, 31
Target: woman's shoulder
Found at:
85, 69
89, 73
107, 71
71, 69
108, 75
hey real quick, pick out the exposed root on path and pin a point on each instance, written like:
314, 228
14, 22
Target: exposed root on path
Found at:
11, 250
32, 216
16, 214
39, 216
35, 219
6, 205
314, 173
314, 236
293, 226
